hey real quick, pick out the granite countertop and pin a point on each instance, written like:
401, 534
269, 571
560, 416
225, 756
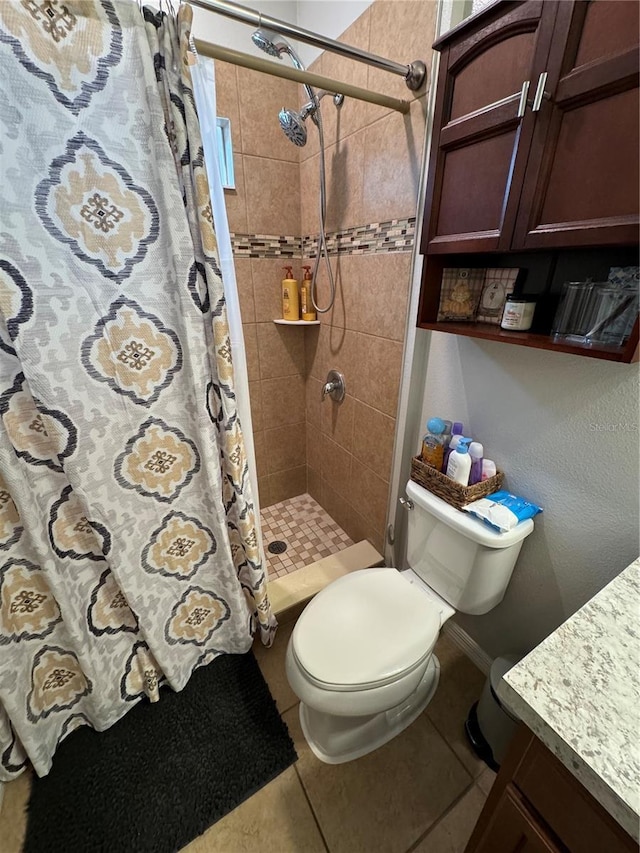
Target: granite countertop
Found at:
579, 692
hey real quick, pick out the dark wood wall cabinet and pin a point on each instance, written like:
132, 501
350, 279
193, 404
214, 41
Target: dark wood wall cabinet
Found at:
536, 805
535, 150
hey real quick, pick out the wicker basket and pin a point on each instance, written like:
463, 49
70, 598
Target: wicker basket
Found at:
451, 492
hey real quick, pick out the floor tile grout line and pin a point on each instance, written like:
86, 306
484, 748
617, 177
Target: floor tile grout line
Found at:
446, 740
286, 710
313, 812
469, 786
441, 817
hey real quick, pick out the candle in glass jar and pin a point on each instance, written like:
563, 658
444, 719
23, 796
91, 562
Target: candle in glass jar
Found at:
518, 314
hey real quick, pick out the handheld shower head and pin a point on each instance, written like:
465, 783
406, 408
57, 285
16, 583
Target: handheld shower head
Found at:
270, 42
275, 45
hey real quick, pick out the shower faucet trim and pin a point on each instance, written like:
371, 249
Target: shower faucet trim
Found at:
335, 386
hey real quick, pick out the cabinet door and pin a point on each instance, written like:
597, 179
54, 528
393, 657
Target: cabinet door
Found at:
581, 186
514, 829
480, 135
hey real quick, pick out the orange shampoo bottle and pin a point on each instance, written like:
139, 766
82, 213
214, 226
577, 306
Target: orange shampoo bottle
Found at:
306, 300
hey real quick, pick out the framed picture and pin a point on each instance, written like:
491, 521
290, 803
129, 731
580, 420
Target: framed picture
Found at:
460, 294
498, 283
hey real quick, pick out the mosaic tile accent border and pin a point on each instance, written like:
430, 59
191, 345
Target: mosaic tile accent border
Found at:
395, 235
309, 531
265, 246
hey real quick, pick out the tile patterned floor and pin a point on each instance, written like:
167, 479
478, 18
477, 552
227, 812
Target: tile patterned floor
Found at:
420, 793
310, 534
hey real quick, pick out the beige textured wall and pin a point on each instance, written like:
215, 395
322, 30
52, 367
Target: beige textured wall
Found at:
373, 166
341, 454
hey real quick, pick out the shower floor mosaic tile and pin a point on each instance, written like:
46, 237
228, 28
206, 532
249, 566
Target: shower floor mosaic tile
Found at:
307, 530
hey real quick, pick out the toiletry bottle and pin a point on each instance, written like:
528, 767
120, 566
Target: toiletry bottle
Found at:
488, 469
290, 302
459, 466
306, 302
475, 452
456, 432
433, 443
446, 435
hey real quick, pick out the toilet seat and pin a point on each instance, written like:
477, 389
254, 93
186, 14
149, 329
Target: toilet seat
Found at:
367, 629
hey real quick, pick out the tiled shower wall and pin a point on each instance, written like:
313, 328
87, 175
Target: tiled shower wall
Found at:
266, 201
342, 453
373, 167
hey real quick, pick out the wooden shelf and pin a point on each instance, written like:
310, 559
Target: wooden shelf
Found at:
489, 332
543, 273
297, 322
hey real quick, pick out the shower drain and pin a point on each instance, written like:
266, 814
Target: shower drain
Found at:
277, 547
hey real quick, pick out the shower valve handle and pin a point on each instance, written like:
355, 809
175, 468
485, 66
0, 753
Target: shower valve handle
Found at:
334, 387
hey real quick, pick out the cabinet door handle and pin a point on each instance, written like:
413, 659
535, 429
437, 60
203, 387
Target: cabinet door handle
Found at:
540, 92
522, 106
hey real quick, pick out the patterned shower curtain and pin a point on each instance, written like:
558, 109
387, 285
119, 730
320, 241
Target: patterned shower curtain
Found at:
128, 552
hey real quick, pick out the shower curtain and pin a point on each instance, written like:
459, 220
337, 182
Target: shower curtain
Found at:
204, 91
128, 550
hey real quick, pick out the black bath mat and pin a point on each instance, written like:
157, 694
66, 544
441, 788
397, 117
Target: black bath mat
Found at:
164, 772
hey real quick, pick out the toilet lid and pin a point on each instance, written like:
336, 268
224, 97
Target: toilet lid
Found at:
365, 628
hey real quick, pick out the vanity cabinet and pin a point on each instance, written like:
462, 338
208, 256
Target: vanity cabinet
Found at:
535, 139
536, 805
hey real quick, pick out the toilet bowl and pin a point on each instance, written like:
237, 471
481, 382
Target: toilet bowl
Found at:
355, 701
360, 657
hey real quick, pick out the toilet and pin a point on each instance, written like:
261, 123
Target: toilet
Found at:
360, 657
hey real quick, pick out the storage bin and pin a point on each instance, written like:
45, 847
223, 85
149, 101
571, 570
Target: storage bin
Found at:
451, 492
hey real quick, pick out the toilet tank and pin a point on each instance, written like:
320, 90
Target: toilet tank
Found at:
458, 556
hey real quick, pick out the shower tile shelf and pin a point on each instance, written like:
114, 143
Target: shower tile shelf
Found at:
281, 322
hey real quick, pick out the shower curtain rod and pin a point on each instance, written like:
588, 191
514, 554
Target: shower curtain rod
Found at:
413, 74
235, 57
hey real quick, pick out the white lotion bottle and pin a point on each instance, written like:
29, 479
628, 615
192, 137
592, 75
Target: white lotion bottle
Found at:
459, 466
488, 469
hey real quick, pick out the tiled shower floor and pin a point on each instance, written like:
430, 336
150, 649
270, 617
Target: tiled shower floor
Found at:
309, 532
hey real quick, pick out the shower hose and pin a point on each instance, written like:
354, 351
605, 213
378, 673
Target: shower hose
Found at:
322, 252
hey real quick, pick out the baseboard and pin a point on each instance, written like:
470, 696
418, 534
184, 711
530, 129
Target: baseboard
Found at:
468, 645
